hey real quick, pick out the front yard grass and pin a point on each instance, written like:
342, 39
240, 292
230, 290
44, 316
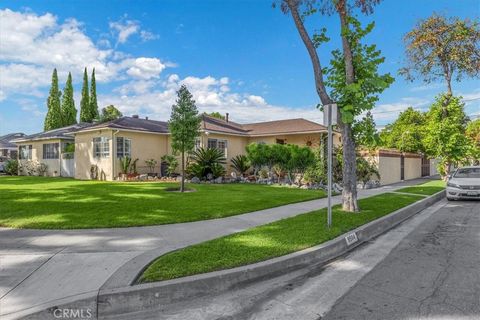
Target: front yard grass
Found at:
271, 240
60, 203
427, 188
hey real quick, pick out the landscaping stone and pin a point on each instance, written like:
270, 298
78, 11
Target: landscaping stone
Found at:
218, 180
195, 180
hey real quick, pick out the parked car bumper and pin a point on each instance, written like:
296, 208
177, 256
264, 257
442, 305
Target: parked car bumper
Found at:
457, 193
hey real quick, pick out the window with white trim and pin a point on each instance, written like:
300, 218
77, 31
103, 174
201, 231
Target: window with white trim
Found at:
198, 144
219, 144
101, 148
25, 152
124, 147
50, 150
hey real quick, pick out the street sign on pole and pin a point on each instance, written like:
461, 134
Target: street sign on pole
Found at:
329, 119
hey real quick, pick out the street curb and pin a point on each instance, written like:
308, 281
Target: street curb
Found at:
150, 296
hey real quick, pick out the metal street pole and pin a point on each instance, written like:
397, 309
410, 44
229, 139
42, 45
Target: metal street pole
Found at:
329, 163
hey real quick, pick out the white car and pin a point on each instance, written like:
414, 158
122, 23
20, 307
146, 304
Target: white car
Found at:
464, 184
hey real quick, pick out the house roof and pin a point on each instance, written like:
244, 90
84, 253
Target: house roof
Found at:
131, 123
283, 127
60, 133
219, 125
6, 140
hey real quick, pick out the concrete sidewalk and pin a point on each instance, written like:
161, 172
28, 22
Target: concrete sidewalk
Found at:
38, 268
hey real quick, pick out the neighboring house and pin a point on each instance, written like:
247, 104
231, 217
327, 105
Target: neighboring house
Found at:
101, 146
47, 148
8, 149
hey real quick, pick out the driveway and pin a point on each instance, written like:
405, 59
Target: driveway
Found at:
41, 268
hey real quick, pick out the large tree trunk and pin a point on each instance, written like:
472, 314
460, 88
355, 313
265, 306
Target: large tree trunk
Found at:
349, 192
182, 185
312, 52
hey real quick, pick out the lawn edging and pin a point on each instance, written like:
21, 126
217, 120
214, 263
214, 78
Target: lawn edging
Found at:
113, 302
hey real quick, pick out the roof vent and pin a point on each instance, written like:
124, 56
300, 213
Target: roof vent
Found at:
135, 116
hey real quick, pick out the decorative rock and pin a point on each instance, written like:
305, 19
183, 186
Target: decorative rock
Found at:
218, 180
209, 176
143, 177
195, 180
179, 179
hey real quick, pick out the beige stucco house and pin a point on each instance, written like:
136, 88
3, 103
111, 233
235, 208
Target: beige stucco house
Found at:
102, 145
49, 148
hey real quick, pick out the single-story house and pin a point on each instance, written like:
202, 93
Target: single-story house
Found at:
8, 148
102, 145
99, 147
49, 148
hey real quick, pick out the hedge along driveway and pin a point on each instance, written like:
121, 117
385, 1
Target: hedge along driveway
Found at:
60, 203
271, 240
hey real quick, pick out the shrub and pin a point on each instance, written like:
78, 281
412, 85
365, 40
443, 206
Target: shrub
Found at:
133, 166
125, 164
11, 167
207, 161
172, 163
151, 164
241, 164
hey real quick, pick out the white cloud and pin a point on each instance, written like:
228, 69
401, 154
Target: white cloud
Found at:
124, 29
138, 97
146, 68
147, 35
32, 45
388, 112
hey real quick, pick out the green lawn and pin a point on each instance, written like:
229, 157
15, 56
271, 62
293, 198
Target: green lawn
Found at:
270, 240
427, 188
60, 203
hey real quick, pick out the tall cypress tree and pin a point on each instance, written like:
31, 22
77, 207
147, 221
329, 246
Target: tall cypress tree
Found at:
85, 101
69, 113
93, 97
53, 119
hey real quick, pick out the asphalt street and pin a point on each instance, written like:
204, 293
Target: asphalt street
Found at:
434, 273
426, 268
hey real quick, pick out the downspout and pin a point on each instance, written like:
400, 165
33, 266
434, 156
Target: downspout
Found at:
114, 152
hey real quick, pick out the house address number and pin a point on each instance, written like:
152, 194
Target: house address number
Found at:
351, 238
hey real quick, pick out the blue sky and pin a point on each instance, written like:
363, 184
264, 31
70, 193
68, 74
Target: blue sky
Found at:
241, 57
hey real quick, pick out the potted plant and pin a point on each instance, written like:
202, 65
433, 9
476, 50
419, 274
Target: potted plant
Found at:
151, 164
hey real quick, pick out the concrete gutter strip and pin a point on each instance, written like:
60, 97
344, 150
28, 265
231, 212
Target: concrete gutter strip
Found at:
150, 296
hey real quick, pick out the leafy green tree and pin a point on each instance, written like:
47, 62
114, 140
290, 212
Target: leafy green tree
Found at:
257, 155
216, 114
110, 113
406, 133
69, 112
53, 119
93, 98
441, 48
184, 126
445, 137
353, 74
85, 115
473, 134
365, 132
